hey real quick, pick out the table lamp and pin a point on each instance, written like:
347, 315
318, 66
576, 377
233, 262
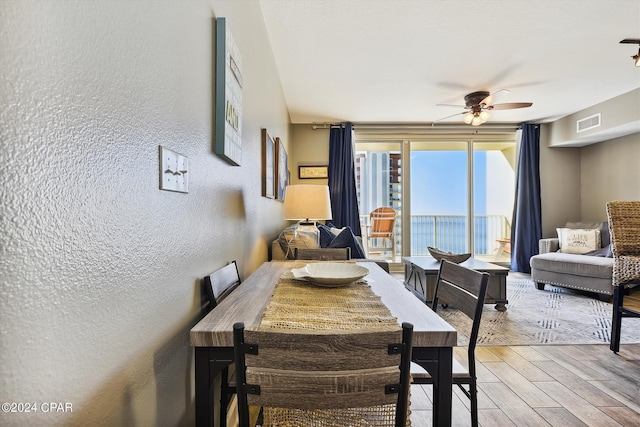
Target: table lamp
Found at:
306, 204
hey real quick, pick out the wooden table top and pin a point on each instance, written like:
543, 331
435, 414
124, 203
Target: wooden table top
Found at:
431, 265
248, 301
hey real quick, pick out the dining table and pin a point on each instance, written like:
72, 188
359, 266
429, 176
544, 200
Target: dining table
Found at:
212, 337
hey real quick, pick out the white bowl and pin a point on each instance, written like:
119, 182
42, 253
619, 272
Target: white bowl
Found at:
331, 274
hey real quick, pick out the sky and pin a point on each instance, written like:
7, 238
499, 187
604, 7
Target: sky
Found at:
439, 182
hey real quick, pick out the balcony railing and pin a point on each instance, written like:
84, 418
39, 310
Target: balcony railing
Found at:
449, 233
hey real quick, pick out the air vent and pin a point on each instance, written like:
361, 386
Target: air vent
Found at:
588, 123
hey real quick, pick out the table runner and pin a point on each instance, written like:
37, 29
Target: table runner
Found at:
298, 304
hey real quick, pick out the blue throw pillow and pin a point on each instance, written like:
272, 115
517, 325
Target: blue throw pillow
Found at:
326, 235
346, 239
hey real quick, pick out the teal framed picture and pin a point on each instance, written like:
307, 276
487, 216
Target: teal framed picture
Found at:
228, 96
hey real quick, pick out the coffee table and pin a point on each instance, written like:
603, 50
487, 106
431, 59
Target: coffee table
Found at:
421, 272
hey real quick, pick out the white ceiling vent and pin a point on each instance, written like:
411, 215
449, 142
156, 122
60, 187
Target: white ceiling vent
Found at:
588, 123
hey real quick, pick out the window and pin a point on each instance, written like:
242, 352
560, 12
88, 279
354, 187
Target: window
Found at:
459, 196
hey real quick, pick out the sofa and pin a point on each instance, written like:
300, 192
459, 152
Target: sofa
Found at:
329, 237
581, 266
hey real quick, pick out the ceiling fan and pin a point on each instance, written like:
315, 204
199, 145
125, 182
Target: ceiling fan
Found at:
478, 104
636, 58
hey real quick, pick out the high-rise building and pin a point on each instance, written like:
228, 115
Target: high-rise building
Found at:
378, 183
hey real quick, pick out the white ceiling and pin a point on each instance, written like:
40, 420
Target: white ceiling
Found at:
392, 61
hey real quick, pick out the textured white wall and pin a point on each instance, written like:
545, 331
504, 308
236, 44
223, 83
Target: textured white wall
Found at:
99, 270
609, 171
577, 182
559, 184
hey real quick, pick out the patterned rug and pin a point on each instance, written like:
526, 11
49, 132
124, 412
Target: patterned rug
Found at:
553, 316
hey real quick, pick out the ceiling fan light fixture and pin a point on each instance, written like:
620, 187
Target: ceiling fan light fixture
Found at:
478, 106
468, 118
636, 58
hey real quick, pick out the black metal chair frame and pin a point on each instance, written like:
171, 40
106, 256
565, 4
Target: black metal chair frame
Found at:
619, 311
218, 285
464, 289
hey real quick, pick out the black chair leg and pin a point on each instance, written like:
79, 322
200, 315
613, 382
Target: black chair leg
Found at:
473, 397
224, 397
616, 321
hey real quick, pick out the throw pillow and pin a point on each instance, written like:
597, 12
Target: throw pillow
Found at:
336, 230
326, 235
590, 225
291, 238
578, 241
346, 239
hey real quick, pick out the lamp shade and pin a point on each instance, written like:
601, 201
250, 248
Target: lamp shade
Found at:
307, 202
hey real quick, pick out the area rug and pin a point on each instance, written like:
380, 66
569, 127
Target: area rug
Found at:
554, 315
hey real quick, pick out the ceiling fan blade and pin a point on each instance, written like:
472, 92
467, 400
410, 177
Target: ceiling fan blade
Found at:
448, 117
451, 105
510, 105
497, 94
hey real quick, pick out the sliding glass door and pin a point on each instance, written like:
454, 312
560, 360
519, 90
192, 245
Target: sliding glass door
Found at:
457, 197
379, 185
494, 191
462, 197
439, 196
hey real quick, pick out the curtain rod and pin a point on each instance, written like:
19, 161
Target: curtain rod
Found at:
424, 127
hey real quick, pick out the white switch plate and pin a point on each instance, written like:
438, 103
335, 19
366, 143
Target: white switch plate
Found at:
174, 170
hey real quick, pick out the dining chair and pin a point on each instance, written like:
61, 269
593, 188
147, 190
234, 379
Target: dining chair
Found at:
464, 289
624, 226
381, 230
218, 285
318, 370
323, 254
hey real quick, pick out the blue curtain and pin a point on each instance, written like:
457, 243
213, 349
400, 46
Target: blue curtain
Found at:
342, 178
526, 225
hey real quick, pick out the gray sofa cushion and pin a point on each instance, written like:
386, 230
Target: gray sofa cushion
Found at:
578, 265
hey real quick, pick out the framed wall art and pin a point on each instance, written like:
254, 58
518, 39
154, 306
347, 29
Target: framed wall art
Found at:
228, 133
282, 169
313, 172
268, 165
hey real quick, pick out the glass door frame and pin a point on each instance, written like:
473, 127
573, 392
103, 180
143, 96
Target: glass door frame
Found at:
503, 135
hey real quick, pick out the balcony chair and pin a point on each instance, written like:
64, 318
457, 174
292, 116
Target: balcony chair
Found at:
624, 225
317, 371
381, 235
323, 254
217, 286
465, 290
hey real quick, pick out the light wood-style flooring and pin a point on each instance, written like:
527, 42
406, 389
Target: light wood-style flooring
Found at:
551, 385
548, 385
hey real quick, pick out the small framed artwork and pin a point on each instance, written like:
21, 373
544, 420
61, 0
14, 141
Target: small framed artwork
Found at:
282, 169
268, 165
313, 172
